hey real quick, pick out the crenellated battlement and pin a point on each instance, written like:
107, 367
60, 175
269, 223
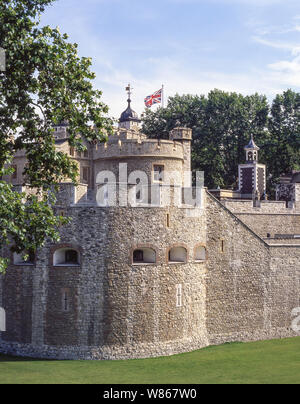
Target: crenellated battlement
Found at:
139, 147
261, 207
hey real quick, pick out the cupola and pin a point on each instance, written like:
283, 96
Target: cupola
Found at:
129, 118
251, 151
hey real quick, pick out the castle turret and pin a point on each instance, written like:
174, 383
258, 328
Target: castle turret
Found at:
61, 130
184, 136
252, 175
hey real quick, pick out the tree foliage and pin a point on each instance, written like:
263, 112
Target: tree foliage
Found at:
283, 154
45, 82
222, 125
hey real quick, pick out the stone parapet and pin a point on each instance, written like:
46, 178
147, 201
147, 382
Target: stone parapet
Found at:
145, 148
263, 207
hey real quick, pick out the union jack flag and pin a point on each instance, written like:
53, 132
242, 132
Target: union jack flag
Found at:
154, 98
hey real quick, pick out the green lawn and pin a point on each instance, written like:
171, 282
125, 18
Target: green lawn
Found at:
276, 361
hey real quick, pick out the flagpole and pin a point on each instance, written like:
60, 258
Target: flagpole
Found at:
163, 96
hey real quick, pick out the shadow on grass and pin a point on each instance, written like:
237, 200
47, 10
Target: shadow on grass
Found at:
9, 358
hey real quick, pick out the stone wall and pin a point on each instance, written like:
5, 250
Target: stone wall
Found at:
272, 224
247, 206
270, 218
117, 309
244, 290
246, 281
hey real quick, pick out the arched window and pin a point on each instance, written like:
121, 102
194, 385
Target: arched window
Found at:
177, 255
144, 256
200, 253
24, 258
66, 257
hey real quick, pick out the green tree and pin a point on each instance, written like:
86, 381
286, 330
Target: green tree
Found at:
222, 124
45, 82
283, 149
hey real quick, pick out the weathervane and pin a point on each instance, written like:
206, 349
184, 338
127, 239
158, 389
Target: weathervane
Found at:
128, 89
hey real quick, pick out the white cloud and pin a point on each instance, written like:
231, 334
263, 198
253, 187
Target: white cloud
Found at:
176, 71
286, 66
284, 72
292, 47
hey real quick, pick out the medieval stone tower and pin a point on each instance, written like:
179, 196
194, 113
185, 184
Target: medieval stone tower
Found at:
159, 276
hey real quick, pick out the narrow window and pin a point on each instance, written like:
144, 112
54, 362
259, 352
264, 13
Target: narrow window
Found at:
72, 151
168, 220
222, 246
65, 300
158, 173
178, 295
86, 174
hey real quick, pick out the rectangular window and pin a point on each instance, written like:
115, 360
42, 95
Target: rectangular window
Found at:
72, 151
65, 300
158, 173
86, 174
86, 153
178, 295
168, 220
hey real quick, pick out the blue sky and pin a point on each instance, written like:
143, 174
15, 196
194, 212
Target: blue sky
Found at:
190, 46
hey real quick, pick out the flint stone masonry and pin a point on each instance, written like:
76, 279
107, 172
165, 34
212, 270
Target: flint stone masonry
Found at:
246, 206
247, 283
270, 218
108, 307
118, 310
